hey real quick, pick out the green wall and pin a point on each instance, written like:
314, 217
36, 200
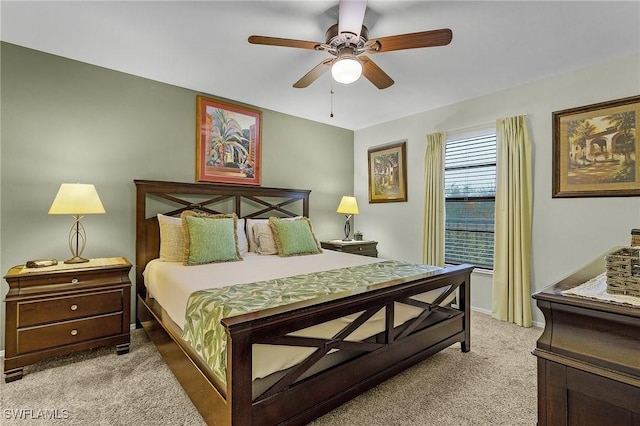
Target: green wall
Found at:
67, 121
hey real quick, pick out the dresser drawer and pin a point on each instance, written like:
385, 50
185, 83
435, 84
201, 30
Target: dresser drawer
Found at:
68, 332
36, 312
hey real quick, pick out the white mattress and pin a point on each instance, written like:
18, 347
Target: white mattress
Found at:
172, 283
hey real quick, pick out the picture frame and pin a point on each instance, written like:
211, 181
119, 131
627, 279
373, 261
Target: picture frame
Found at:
595, 150
388, 173
228, 142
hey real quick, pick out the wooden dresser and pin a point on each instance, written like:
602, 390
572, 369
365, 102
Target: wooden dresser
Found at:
588, 357
62, 309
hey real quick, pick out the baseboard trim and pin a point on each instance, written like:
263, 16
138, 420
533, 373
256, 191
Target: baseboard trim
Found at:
481, 310
488, 312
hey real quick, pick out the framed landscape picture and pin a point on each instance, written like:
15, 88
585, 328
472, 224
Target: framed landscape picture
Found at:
228, 140
388, 173
595, 150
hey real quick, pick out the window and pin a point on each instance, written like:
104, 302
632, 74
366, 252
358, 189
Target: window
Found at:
470, 190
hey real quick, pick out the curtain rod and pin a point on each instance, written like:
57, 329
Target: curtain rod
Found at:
478, 126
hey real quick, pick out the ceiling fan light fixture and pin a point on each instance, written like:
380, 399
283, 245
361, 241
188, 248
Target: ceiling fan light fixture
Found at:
346, 69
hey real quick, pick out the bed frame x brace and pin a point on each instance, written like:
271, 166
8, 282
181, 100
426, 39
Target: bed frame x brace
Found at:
338, 342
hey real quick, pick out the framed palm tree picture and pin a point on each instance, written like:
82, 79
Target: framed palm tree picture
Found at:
596, 150
227, 143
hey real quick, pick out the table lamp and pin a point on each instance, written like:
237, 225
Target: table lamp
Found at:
77, 199
348, 206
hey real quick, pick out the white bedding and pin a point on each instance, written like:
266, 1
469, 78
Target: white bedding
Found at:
172, 283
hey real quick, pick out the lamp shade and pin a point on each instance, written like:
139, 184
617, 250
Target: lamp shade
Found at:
77, 199
346, 69
348, 205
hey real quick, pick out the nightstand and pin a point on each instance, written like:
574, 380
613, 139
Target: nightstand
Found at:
364, 248
61, 309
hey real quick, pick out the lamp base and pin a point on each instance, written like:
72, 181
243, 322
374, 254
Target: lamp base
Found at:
77, 241
76, 259
347, 228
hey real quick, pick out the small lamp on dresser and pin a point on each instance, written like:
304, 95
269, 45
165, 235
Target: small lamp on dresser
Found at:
348, 206
77, 199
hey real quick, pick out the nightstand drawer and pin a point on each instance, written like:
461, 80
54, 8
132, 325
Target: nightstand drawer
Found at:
365, 250
69, 307
36, 282
68, 332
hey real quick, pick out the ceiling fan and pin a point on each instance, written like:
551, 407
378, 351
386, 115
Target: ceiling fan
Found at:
348, 40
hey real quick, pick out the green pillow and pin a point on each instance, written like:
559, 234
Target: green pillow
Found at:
294, 237
209, 238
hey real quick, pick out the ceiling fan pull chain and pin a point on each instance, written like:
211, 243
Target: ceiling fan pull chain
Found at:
331, 115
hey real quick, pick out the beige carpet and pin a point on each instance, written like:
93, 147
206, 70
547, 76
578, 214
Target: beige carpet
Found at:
494, 384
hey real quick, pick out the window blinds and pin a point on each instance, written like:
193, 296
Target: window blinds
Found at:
470, 187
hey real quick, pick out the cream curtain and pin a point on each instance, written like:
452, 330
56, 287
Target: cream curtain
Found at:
511, 299
433, 237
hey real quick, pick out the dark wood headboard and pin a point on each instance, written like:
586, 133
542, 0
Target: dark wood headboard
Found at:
172, 198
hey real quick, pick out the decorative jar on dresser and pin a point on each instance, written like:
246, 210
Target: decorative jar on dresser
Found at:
65, 308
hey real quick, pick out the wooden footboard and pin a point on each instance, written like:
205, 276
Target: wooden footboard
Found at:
297, 402
303, 392
292, 401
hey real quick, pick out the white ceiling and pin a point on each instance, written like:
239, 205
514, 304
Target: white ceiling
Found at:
203, 46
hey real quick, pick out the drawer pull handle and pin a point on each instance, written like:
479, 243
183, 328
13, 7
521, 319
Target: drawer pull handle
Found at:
75, 281
74, 307
74, 332
360, 248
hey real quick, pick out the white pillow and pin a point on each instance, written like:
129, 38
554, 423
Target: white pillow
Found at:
243, 244
171, 238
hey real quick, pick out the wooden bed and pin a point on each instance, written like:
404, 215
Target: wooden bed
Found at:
291, 400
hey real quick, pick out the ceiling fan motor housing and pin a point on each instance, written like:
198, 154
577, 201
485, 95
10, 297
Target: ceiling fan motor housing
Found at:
337, 42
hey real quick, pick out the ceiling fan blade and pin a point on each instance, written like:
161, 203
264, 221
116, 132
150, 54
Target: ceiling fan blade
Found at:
374, 73
351, 16
284, 42
313, 75
431, 38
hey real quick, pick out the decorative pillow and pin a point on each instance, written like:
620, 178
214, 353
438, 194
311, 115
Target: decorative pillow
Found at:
294, 237
171, 238
243, 243
209, 238
253, 241
263, 236
253, 244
